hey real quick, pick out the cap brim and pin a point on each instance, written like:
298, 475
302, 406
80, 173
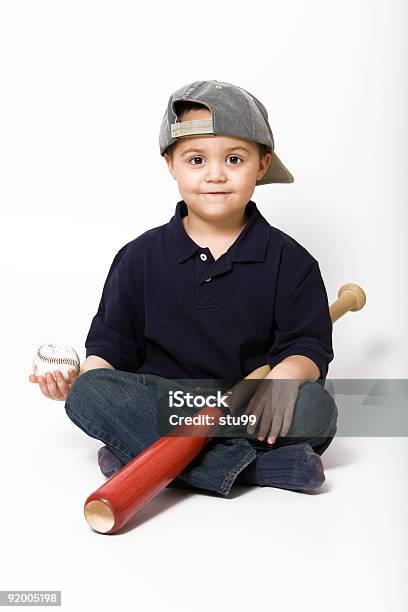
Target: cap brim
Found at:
276, 173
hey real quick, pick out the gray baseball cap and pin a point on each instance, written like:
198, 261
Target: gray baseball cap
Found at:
235, 112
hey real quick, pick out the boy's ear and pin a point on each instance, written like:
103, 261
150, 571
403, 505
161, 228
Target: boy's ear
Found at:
263, 166
170, 165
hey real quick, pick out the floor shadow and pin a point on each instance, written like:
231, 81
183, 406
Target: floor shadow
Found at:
170, 497
235, 491
238, 490
166, 499
338, 454
324, 488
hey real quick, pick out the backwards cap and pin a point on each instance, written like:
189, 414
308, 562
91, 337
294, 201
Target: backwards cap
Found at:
235, 112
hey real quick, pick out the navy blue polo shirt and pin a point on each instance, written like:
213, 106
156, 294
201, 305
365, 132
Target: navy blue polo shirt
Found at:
169, 308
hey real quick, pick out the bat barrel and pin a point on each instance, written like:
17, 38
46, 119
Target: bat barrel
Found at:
112, 505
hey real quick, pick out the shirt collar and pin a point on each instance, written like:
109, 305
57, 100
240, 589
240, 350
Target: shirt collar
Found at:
249, 246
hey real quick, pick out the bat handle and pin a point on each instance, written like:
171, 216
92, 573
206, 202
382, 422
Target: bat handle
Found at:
350, 297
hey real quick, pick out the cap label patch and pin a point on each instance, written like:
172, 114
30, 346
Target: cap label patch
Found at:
189, 128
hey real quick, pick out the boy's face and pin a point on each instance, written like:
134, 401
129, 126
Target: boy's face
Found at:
204, 165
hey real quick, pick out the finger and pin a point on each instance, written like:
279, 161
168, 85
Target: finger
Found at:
269, 403
275, 427
266, 420
33, 378
251, 410
73, 375
290, 401
255, 398
43, 386
264, 399
251, 406
287, 421
248, 409
256, 411
268, 397
278, 408
52, 387
63, 385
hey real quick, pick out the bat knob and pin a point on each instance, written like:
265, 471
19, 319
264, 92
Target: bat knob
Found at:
99, 516
358, 294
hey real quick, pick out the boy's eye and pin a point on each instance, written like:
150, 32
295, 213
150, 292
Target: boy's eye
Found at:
235, 157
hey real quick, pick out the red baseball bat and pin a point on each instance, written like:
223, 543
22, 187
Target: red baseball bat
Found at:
114, 503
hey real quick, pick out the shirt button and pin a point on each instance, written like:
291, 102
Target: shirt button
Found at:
207, 280
203, 256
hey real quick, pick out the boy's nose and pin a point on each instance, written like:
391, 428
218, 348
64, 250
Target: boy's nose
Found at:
215, 172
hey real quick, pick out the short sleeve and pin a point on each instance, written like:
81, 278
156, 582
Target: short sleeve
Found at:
302, 321
116, 332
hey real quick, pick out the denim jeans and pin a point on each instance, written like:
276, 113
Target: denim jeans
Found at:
120, 409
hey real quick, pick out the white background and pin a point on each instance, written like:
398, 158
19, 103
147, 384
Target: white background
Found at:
84, 86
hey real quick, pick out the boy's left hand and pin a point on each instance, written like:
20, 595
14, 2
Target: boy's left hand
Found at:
273, 405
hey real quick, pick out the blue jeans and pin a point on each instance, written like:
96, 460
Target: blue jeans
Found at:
120, 409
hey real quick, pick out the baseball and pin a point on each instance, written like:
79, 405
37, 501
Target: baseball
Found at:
50, 357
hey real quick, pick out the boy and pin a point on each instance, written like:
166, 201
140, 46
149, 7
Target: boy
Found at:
213, 294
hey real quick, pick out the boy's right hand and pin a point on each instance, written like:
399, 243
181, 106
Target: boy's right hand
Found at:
55, 388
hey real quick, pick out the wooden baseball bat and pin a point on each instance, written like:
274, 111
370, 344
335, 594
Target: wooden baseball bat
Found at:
114, 503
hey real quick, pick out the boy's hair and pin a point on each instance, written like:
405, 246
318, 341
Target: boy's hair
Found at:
182, 107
